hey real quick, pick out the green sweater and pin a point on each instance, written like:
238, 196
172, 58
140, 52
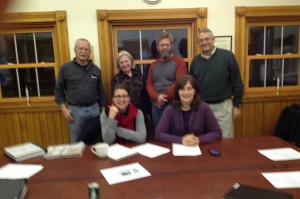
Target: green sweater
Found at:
218, 77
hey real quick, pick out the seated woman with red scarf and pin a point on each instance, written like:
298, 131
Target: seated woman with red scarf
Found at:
122, 121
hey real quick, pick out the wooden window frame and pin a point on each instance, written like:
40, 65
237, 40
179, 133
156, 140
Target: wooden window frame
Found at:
56, 21
109, 18
264, 16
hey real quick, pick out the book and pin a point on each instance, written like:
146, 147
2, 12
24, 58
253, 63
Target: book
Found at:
13, 188
239, 191
65, 150
24, 151
118, 152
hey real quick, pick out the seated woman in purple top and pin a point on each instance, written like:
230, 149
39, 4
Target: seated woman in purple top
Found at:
188, 120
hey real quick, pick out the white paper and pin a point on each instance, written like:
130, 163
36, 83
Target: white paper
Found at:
280, 154
124, 173
17, 171
183, 150
117, 152
150, 150
283, 180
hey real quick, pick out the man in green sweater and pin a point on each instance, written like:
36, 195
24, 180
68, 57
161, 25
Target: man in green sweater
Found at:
218, 76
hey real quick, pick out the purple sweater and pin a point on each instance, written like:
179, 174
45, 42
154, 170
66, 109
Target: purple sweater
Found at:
202, 123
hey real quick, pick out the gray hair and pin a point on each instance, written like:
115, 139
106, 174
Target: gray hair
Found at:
206, 30
81, 39
120, 55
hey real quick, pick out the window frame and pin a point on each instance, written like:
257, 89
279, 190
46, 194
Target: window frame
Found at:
56, 21
107, 19
263, 16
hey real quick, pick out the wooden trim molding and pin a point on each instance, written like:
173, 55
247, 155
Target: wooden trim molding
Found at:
109, 18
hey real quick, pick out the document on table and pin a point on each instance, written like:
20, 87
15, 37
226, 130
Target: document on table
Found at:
280, 154
283, 180
124, 173
150, 150
182, 150
17, 171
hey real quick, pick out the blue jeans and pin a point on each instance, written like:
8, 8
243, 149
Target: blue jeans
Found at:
157, 113
81, 114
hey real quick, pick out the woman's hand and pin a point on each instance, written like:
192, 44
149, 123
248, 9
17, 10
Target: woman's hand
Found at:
113, 111
190, 140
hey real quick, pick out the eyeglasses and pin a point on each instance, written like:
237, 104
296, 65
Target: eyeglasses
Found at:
118, 97
207, 39
83, 49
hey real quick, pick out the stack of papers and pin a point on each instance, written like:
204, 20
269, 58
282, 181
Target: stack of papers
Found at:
118, 152
24, 151
280, 154
182, 150
283, 180
150, 150
19, 171
124, 173
65, 150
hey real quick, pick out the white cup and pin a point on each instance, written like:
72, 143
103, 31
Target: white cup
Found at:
100, 149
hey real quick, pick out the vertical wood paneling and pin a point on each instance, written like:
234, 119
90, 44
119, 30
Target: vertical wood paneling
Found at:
252, 122
271, 113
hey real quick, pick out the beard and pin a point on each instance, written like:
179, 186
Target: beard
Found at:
165, 54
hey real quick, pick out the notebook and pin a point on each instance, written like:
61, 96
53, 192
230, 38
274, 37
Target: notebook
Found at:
239, 191
13, 188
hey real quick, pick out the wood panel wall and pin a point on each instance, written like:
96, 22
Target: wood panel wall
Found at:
44, 126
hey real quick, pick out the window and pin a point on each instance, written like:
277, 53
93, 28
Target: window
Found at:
272, 58
136, 32
30, 52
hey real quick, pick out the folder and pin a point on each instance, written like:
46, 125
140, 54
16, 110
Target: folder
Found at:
239, 191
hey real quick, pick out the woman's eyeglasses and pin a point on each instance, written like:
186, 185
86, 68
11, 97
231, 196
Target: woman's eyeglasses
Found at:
118, 97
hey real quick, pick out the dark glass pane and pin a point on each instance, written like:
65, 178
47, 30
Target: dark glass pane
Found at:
25, 45
290, 39
291, 74
274, 71
256, 40
180, 42
27, 78
257, 73
129, 40
7, 49
9, 85
273, 40
149, 43
46, 81
44, 46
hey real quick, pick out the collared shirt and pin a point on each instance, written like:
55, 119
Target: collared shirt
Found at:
210, 55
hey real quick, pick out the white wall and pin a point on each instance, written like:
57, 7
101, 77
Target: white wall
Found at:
82, 21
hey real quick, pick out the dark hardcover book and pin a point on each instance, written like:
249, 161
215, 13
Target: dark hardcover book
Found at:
13, 188
240, 191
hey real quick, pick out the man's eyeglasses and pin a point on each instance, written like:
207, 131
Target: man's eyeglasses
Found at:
118, 97
83, 49
207, 39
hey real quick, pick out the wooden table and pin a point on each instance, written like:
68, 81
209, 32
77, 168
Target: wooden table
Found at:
171, 177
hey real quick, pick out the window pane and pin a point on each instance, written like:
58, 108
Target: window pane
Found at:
256, 40
257, 73
273, 40
180, 42
28, 79
129, 40
149, 43
7, 49
25, 45
291, 71
9, 85
44, 46
46, 81
274, 71
290, 39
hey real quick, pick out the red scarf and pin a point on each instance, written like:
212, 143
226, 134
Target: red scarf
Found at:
127, 121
